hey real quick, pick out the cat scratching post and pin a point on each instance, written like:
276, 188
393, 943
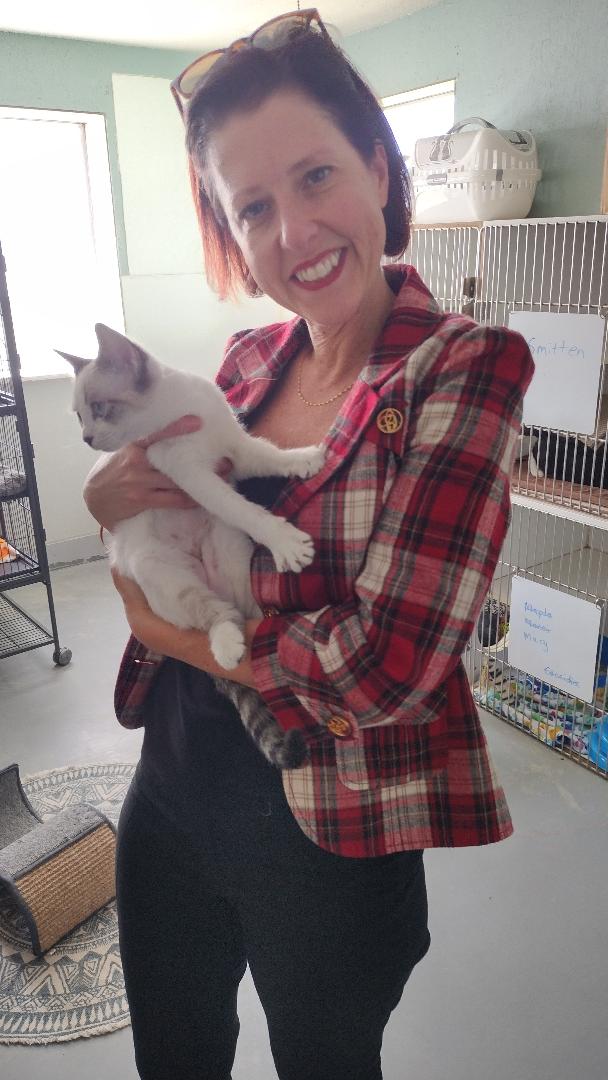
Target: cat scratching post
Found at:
57, 872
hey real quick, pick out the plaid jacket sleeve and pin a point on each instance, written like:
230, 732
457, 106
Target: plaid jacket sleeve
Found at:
380, 656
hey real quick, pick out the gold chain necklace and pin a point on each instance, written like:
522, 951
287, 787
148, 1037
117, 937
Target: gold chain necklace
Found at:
316, 404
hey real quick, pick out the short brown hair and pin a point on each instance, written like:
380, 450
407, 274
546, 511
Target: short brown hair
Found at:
243, 79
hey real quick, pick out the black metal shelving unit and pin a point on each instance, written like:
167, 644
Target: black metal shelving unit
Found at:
21, 524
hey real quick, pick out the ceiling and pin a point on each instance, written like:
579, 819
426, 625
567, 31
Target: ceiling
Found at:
185, 24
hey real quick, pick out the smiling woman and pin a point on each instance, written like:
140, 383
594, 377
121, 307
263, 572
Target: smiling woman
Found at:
315, 877
244, 79
315, 218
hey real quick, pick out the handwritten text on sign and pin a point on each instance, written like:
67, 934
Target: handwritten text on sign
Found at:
554, 636
567, 352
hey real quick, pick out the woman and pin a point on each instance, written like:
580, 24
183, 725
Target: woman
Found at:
315, 877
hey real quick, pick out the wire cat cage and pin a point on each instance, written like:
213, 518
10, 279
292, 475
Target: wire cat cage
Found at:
558, 532
23, 558
560, 266
446, 259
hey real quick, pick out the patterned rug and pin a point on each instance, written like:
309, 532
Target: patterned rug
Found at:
76, 989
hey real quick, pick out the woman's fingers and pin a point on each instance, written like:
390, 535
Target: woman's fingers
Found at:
223, 467
184, 426
130, 592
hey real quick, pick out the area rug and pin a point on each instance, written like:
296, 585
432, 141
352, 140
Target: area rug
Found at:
76, 989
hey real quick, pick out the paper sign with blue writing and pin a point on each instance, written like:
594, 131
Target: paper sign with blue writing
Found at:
554, 636
567, 352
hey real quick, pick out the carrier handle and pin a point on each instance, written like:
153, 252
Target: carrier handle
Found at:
471, 120
519, 139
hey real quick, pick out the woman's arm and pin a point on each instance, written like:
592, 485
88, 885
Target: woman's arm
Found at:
191, 646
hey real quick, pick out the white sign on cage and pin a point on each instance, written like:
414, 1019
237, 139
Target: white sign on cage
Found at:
567, 352
554, 636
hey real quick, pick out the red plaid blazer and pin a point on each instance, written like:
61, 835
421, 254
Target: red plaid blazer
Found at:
363, 648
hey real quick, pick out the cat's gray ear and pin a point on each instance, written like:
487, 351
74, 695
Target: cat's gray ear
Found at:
115, 347
76, 361
121, 354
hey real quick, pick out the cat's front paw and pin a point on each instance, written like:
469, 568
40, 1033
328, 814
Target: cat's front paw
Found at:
227, 644
307, 462
295, 549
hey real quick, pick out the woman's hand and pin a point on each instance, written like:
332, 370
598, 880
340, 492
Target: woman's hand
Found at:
125, 483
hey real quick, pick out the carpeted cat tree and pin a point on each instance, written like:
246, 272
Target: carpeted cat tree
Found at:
57, 872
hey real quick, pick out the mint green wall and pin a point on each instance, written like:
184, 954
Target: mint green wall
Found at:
536, 64
58, 73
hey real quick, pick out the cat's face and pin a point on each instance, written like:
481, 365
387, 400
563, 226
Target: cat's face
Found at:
112, 392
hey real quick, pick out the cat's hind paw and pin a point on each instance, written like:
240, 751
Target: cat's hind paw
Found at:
295, 550
227, 644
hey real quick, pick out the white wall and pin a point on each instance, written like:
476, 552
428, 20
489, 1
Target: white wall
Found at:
180, 321
62, 461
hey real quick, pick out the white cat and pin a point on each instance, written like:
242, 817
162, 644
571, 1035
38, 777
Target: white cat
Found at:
192, 565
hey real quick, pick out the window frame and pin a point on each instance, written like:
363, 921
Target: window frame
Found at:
431, 90
101, 204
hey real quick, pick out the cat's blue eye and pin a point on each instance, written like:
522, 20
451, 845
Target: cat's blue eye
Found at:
101, 410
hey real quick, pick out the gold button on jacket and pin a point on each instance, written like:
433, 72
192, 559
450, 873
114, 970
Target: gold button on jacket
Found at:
340, 727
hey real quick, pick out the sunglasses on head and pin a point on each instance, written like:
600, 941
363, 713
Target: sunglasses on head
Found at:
270, 35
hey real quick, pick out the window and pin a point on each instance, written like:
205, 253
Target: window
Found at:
57, 234
418, 114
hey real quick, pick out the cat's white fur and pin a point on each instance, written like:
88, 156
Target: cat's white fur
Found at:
193, 565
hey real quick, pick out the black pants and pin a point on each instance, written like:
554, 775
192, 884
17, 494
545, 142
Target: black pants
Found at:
330, 941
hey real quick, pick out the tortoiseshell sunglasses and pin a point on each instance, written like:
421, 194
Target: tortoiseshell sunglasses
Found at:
268, 36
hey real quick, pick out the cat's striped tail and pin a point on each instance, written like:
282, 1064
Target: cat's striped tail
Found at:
285, 749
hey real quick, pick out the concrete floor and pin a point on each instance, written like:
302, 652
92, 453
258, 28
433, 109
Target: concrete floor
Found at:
515, 985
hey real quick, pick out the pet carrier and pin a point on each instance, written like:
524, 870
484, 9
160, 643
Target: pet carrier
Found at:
475, 175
